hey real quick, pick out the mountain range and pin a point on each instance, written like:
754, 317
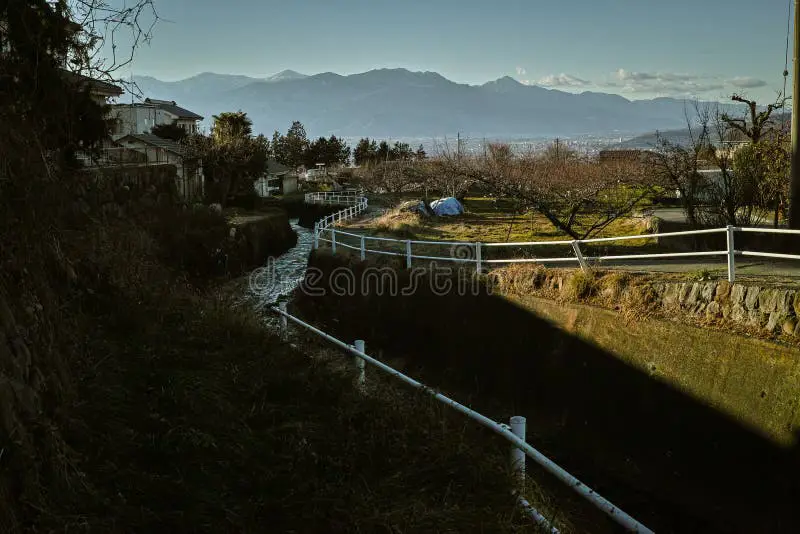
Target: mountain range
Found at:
392, 103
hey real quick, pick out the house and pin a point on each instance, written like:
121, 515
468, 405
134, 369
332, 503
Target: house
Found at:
164, 151
101, 91
278, 180
141, 117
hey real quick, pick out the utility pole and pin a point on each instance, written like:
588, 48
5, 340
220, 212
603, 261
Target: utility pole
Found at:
794, 184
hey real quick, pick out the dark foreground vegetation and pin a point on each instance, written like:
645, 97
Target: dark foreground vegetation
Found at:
133, 399
672, 461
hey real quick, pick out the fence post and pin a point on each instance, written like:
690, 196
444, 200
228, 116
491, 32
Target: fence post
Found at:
363, 249
577, 248
408, 254
478, 259
284, 321
333, 241
517, 454
731, 255
361, 375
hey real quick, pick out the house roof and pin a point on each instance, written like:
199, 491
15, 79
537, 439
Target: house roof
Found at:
273, 167
171, 107
156, 141
95, 86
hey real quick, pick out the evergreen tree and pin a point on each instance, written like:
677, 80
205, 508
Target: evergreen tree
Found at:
295, 145
169, 131
231, 125
383, 152
400, 151
279, 148
364, 152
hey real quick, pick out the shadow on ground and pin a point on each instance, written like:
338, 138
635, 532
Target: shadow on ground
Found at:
672, 462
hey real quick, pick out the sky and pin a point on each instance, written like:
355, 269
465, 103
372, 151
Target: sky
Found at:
635, 48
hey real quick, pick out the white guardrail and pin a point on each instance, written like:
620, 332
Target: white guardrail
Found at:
514, 433
357, 203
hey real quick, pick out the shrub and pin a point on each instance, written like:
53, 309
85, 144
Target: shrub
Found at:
581, 285
192, 240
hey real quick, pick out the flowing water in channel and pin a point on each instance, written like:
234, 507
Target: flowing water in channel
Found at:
281, 275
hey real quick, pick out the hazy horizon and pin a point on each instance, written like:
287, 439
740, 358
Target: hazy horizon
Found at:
639, 50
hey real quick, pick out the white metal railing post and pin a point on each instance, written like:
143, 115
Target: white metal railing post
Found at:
602, 504
408, 254
284, 320
478, 259
333, 241
731, 255
361, 374
363, 249
517, 454
581, 260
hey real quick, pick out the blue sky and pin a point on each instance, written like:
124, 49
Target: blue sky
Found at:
636, 48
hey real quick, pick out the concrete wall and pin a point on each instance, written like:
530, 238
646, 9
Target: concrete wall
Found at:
752, 380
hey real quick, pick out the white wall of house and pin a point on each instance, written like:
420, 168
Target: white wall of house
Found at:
289, 184
189, 125
275, 185
137, 119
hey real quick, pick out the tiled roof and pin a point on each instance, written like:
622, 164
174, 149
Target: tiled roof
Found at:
98, 86
154, 140
171, 107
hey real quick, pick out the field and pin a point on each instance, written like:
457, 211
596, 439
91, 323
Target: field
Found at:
490, 222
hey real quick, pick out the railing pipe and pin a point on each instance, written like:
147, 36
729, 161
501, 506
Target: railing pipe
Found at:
579, 487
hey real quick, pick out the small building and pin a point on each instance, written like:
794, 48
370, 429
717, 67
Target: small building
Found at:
141, 117
278, 180
164, 151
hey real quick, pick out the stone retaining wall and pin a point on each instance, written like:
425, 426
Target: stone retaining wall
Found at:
763, 310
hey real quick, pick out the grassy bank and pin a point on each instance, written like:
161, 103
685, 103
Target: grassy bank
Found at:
136, 400
198, 420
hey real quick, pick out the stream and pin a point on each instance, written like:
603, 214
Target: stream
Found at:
281, 275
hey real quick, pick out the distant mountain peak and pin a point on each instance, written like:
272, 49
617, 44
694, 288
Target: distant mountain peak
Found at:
505, 81
286, 75
397, 102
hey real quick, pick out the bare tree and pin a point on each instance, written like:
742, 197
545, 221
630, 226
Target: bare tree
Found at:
677, 165
753, 126
103, 26
579, 196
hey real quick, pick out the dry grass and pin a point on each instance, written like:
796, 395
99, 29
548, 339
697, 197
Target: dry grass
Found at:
580, 285
205, 422
165, 411
490, 222
403, 225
